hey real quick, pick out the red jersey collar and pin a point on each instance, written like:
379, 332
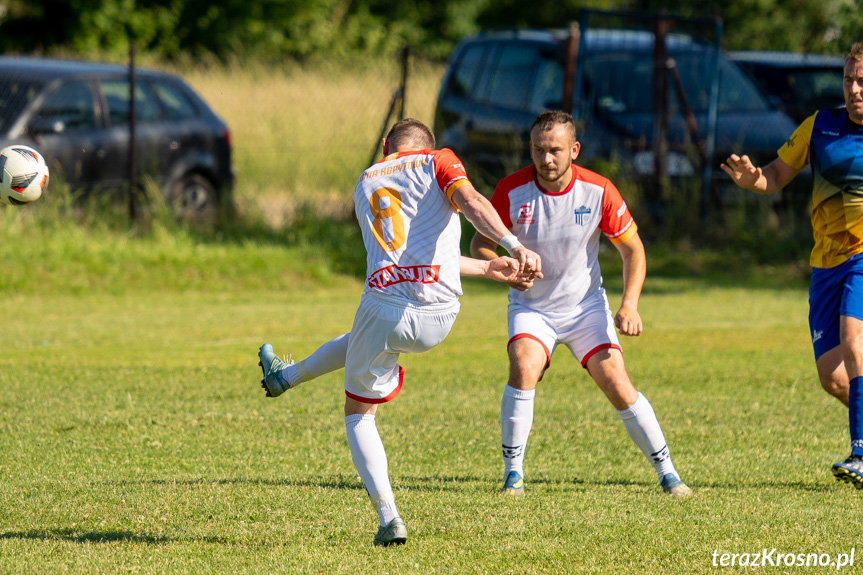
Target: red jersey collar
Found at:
563, 191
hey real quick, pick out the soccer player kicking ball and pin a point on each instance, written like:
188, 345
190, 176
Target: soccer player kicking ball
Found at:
830, 140
407, 205
559, 209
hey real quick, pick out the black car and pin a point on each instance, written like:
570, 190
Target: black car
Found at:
801, 83
77, 114
496, 83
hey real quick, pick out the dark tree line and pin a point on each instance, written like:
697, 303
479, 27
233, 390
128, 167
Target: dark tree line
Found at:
308, 29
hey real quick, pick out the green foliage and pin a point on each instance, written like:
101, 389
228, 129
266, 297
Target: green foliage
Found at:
326, 29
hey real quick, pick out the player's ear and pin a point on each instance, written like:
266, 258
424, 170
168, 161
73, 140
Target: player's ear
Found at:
576, 147
385, 147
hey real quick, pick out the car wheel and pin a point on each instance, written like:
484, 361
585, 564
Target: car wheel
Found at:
193, 199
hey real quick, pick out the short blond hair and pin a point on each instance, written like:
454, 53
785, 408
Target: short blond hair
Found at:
856, 52
412, 134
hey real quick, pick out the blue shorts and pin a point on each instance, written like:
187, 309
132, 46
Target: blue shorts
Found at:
834, 292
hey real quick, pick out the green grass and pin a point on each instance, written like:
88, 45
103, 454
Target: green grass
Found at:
134, 436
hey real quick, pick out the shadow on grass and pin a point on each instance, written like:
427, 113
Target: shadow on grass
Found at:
324, 482
455, 482
429, 483
79, 536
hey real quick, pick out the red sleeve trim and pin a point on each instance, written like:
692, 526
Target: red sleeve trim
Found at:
616, 222
448, 170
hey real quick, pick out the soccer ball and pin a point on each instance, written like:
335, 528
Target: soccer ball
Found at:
23, 175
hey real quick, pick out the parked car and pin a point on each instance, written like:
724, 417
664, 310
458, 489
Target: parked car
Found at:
496, 83
77, 115
800, 83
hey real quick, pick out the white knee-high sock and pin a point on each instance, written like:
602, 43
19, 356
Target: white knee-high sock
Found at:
643, 427
370, 459
516, 419
329, 357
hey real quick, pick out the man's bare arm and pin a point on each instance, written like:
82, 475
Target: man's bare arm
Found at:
745, 174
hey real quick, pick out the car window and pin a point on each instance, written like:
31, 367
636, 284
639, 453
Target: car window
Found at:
811, 89
467, 70
623, 82
511, 76
548, 88
15, 94
737, 93
175, 101
67, 108
116, 94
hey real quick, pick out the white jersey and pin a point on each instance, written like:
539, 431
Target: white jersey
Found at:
410, 226
564, 229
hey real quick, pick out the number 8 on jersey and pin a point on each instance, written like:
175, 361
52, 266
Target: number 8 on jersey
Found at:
391, 212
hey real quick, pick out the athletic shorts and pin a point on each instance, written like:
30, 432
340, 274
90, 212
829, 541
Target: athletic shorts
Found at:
834, 292
585, 331
385, 327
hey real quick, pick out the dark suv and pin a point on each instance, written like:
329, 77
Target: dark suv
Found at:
496, 84
77, 115
801, 83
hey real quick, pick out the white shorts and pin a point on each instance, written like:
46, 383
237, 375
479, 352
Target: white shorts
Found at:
586, 330
385, 327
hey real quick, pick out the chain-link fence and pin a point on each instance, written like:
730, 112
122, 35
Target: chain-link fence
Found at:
298, 137
680, 106
658, 106
303, 135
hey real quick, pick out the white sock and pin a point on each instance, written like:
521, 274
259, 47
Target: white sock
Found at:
329, 357
516, 419
643, 427
370, 459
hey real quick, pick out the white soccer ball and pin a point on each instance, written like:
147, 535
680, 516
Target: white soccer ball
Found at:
23, 175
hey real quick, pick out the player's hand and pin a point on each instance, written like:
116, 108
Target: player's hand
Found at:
528, 261
525, 281
741, 170
521, 286
502, 269
505, 269
628, 321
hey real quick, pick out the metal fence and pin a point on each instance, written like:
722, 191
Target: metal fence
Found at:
678, 106
658, 107
297, 135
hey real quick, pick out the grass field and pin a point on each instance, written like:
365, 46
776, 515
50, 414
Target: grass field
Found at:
134, 436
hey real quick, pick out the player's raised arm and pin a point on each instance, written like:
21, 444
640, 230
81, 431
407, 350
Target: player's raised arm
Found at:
482, 215
485, 249
745, 174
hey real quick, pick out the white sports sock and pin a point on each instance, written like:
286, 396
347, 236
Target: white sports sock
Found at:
643, 427
329, 357
370, 459
516, 419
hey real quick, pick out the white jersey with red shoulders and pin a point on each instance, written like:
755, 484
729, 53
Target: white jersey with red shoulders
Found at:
563, 228
410, 226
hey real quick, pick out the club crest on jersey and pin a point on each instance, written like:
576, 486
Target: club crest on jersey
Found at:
525, 214
582, 215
